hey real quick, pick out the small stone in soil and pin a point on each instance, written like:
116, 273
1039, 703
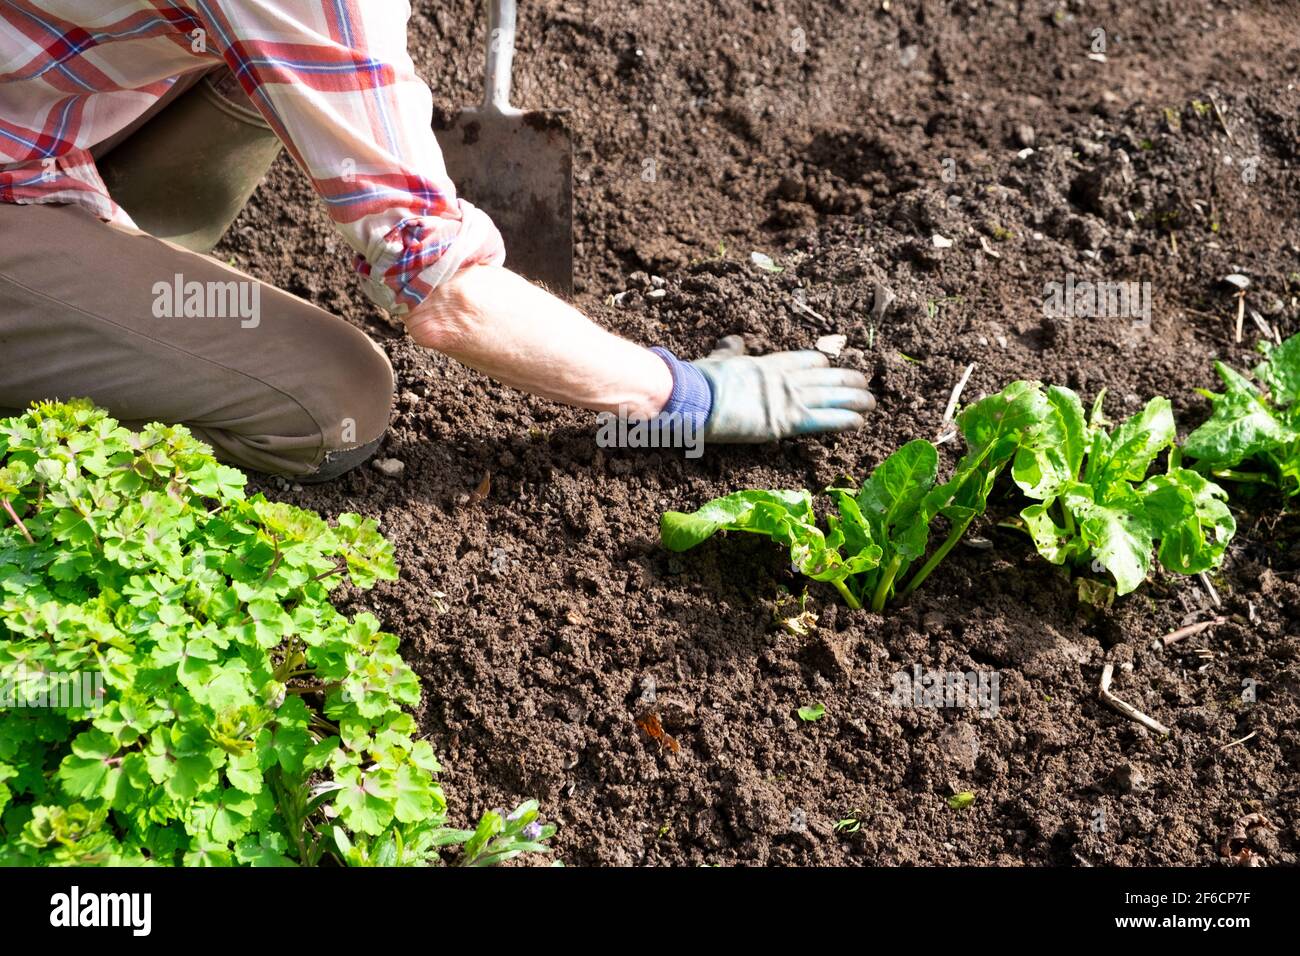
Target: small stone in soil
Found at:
389, 467
649, 690
934, 621
960, 746
831, 345
1128, 778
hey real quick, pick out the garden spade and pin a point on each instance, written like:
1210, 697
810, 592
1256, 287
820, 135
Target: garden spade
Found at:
516, 165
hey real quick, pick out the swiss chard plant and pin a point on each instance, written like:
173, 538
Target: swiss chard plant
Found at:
1095, 503
882, 528
1253, 434
176, 686
787, 518
994, 429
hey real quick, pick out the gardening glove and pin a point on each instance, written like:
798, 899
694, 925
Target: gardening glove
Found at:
765, 397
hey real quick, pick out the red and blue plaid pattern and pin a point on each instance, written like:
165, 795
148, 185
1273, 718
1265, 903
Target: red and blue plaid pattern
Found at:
332, 77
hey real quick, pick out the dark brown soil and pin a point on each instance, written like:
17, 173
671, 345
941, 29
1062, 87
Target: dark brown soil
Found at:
545, 618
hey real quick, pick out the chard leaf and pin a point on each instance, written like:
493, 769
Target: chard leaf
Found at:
820, 560
784, 516
892, 499
1280, 371
1134, 445
1055, 542
993, 429
849, 528
779, 514
1241, 426
1288, 465
1097, 416
993, 426
1052, 452
1191, 518
853, 531
1118, 532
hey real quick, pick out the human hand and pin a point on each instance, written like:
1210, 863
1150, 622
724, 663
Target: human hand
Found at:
765, 397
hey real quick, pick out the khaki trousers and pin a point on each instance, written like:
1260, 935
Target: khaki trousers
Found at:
154, 332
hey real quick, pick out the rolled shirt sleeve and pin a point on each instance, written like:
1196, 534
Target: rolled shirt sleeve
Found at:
335, 81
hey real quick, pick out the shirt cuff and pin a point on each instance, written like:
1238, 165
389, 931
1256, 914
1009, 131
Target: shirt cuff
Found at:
691, 394
421, 252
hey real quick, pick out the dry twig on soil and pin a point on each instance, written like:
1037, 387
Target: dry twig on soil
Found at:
1189, 630
1240, 740
951, 409
1222, 122
1128, 710
1209, 589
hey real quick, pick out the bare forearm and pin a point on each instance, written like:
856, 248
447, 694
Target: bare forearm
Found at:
495, 321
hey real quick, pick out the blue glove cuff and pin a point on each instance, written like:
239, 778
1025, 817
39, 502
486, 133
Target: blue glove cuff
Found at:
691, 393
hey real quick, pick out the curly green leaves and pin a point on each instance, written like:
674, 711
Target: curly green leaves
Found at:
237, 717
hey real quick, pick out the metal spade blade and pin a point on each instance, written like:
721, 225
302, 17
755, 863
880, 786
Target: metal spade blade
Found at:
516, 165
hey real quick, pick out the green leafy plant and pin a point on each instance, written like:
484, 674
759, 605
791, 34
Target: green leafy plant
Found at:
1095, 503
784, 516
887, 518
499, 837
881, 529
993, 429
178, 688
1250, 425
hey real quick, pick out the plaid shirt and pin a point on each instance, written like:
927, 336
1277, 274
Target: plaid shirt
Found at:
332, 77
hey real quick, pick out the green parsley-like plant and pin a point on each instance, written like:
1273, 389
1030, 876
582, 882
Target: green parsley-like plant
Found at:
235, 717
